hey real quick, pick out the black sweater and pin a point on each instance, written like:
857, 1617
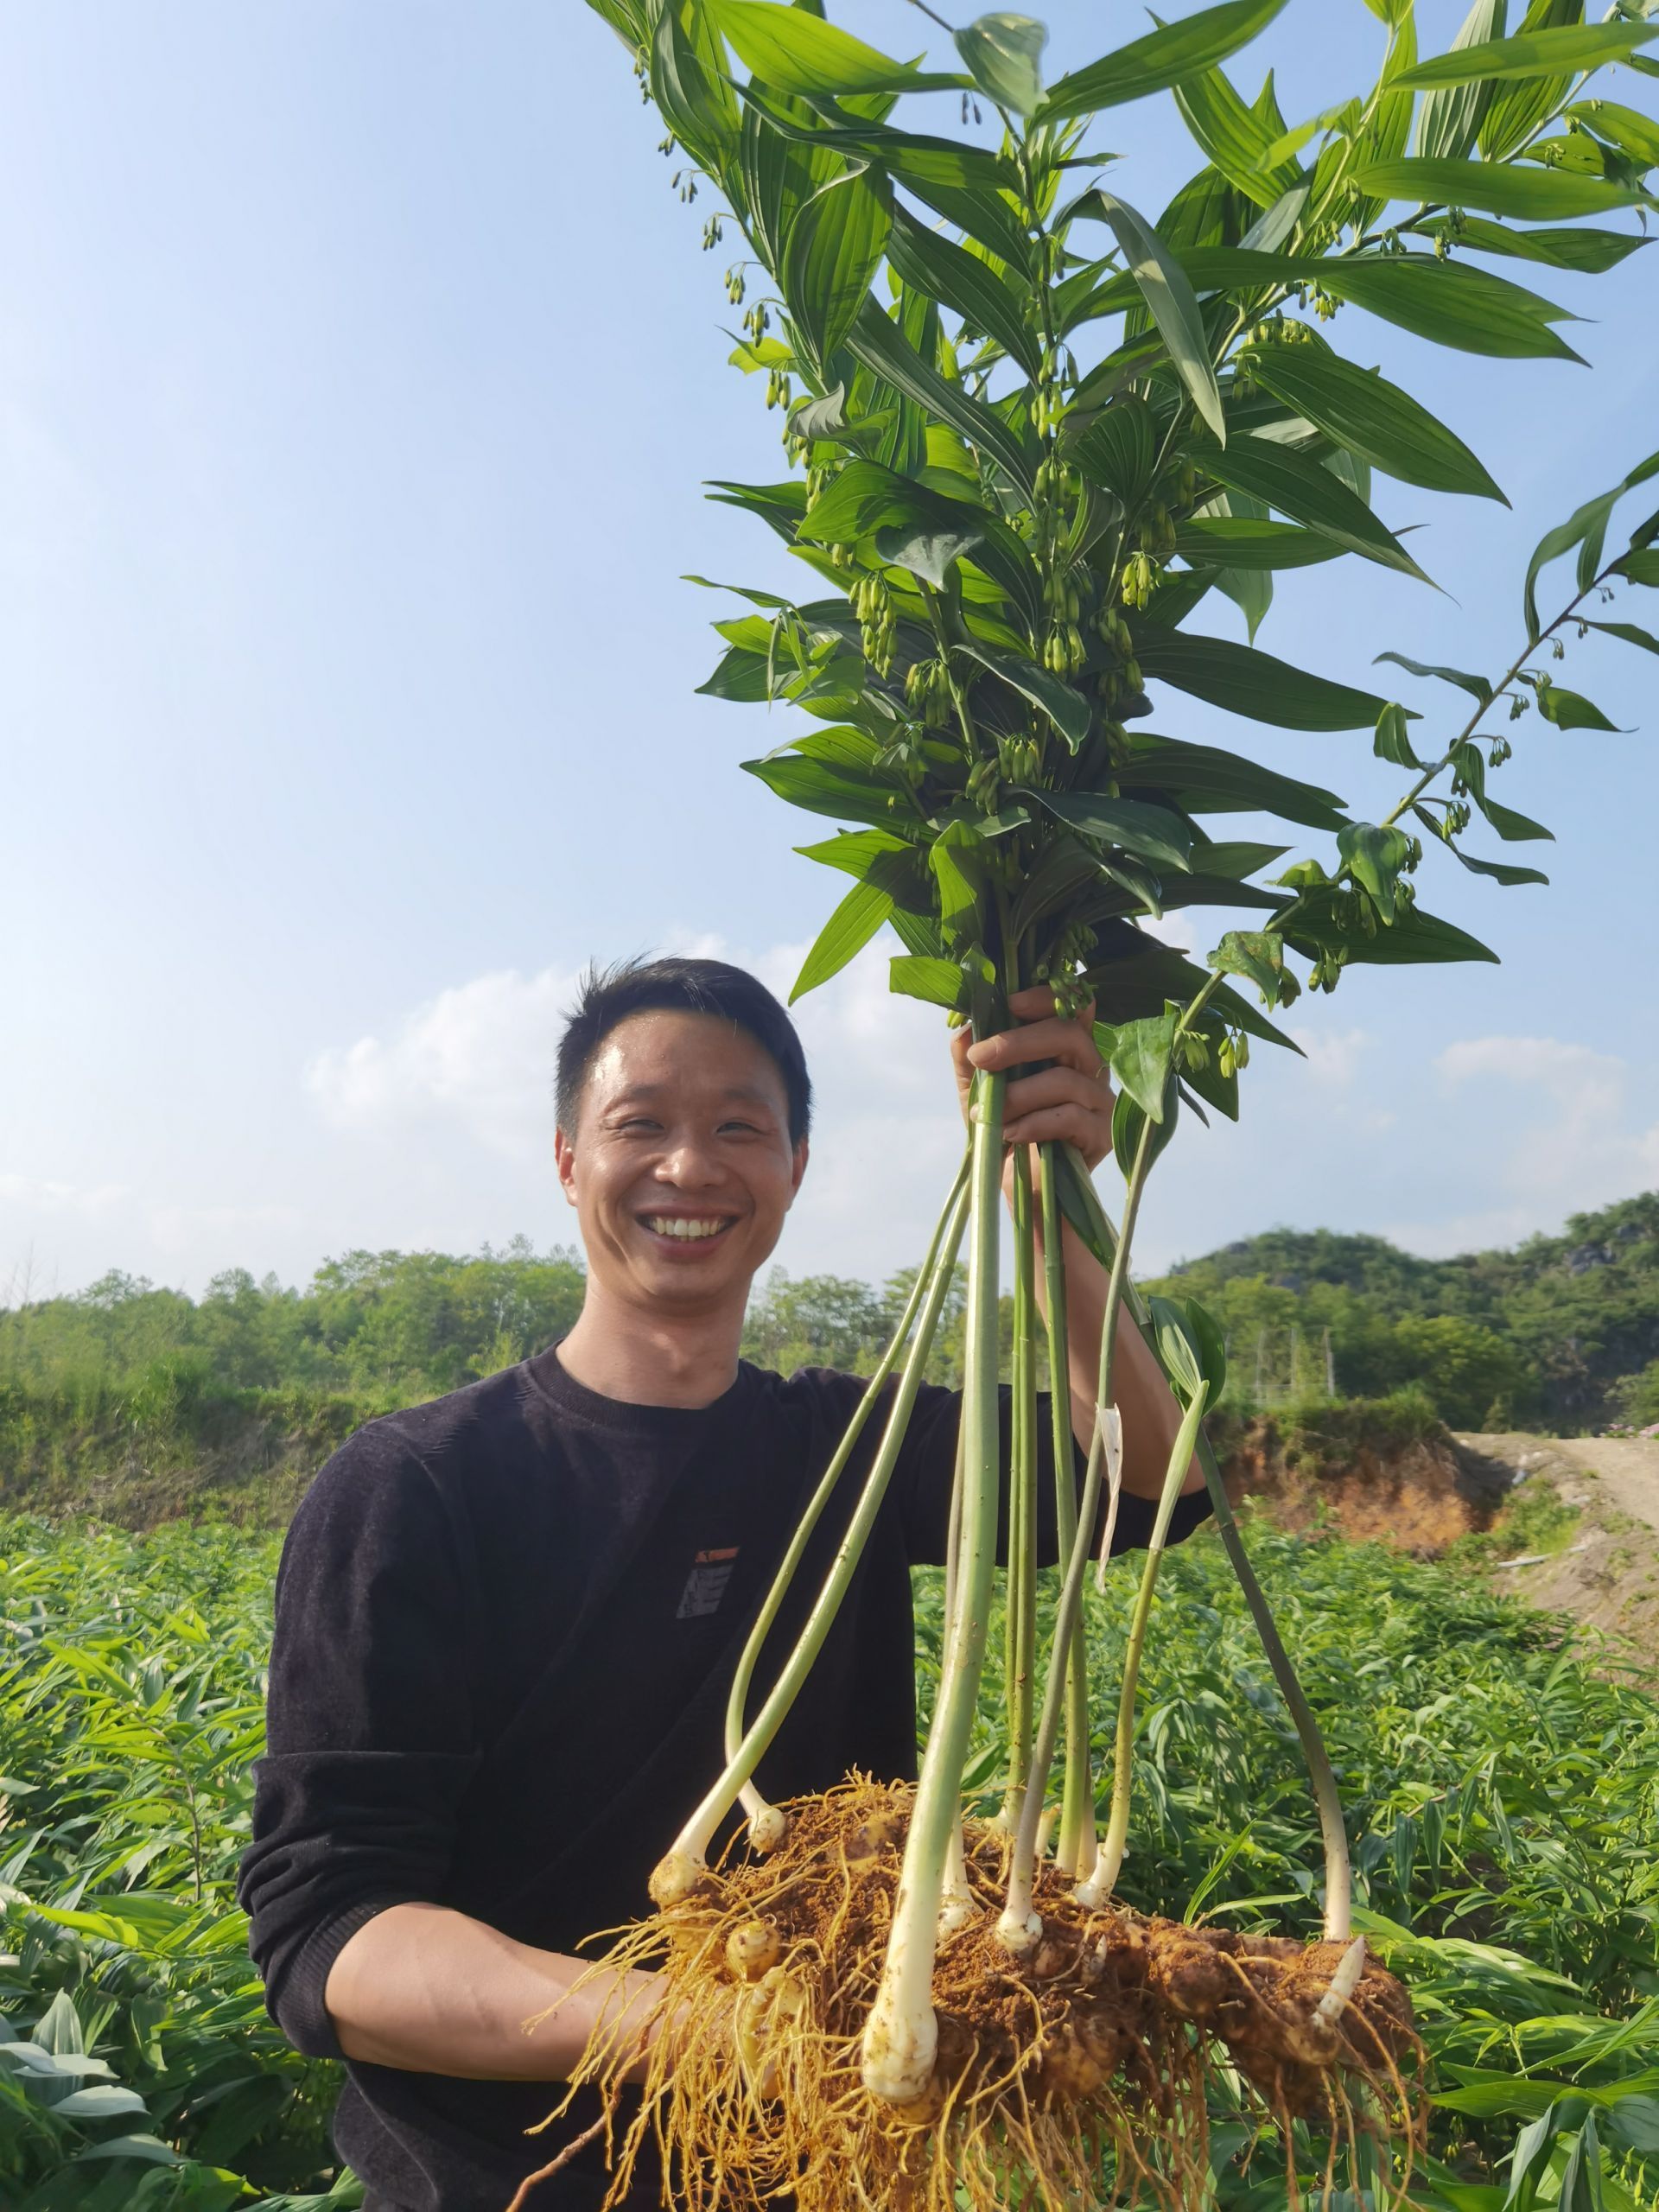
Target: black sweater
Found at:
506, 1624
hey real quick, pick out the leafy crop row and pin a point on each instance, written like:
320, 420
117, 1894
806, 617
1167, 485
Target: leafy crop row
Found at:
1502, 1797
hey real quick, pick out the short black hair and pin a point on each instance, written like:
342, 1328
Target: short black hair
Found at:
609, 995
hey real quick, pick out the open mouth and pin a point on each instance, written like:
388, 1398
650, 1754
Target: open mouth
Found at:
688, 1231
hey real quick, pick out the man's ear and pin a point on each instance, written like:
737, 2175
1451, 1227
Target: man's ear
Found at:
797, 1170
564, 1159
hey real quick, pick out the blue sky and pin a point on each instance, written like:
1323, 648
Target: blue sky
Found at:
359, 370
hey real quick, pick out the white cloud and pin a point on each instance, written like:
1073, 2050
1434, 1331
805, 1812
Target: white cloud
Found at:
1551, 1121
41, 1195
1333, 1057
480, 1054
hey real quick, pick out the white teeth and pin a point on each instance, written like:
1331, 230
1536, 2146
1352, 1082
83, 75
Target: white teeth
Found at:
672, 1225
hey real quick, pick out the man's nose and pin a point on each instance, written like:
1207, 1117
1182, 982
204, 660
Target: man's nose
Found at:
691, 1163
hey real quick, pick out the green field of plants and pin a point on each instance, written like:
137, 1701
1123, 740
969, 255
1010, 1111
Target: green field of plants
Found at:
1503, 1788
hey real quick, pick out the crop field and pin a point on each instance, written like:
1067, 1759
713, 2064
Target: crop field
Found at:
1503, 1795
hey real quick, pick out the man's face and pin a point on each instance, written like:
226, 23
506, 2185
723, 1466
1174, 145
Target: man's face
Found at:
681, 1169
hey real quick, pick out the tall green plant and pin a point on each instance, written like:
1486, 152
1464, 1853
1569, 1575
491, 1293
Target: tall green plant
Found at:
1031, 432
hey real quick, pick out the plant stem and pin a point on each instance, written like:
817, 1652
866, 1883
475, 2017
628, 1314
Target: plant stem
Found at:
738, 1701
1076, 1838
1019, 1927
1020, 1643
1101, 1881
901, 2034
678, 1872
1338, 1878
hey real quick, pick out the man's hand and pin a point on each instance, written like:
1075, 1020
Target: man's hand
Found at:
1067, 1102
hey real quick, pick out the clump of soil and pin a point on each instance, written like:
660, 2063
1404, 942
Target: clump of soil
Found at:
1417, 1495
1089, 2055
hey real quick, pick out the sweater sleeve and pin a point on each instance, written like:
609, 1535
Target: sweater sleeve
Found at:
927, 1474
370, 1717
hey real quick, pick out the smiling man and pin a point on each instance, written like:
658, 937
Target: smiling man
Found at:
507, 1621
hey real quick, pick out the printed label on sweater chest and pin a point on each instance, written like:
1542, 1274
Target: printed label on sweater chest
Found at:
706, 1584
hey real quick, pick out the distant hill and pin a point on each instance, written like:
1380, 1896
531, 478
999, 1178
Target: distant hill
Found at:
1561, 1332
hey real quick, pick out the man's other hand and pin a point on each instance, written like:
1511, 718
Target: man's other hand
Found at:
1068, 1100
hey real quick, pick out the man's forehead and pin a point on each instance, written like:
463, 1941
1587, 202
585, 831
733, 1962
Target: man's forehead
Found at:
666, 1050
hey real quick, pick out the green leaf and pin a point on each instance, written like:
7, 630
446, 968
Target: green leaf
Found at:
1246, 681
881, 347
1450, 118
947, 272
1531, 194
1570, 710
693, 97
1003, 55
1634, 134
1590, 251
1585, 528
846, 934
1476, 686
1500, 869
1375, 856
1129, 1120
824, 790
1564, 50
854, 851
1629, 633
1119, 449
1237, 541
925, 551
1150, 832
1202, 779
795, 51
939, 982
1067, 709
1308, 493
779, 175
1372, 417
1170, 300
1390, 743
1162, 58
1415, 939
835, 247
1514, 829
1236, 139
1640, 566
1450, 303
1141, 1060
1258, 955
865, 498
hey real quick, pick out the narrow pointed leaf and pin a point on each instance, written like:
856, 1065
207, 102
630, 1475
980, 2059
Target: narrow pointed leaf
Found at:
1571, 709
1247, 682
834, 248
1631, 632
795, 51
1514, 829
1565, 49
1237, 542
1170, 300
937, 983
1592, 250
1449, 121
1204, 779
1372, 417
1501, 871
947, 272
1632, 133
1162, 58
1236, 140
1067, 709
1588, 521
1308, 493
846, 934
1119, 449
1149, 832
881, 347
1390, 741
1540, 195
1476, 686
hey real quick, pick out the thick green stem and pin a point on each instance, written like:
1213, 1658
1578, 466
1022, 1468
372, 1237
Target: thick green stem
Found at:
1100, 1884
677, 1874
1338, 1878
1074, 1853
901, 2035
738, 1701
1021, 1645
1020, 1926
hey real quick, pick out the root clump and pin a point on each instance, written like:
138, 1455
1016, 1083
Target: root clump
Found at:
1068, 2077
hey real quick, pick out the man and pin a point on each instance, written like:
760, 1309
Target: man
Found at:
506, 1622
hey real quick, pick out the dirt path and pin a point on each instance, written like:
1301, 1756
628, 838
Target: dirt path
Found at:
1607, 1574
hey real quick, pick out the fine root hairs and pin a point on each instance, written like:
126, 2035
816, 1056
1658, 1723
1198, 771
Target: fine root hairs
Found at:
1067, 2077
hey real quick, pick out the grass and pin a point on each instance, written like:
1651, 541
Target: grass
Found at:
1503, 1794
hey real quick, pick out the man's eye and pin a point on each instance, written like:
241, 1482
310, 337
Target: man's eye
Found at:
742, 1128
636, 1125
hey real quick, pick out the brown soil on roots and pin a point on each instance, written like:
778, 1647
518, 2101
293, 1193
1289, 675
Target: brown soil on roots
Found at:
1084, 2060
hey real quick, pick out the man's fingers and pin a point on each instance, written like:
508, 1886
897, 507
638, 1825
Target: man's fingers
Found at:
1065, 1124
1057, 1086
1069, 1042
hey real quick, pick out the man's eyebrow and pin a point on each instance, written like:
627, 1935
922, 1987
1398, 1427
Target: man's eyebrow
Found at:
750, 1094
